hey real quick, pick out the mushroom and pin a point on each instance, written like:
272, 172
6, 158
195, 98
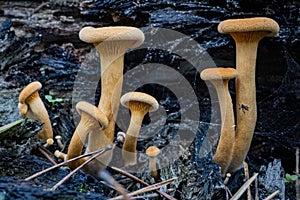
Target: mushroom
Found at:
139, 104
111, 43
153, 152
59, 142
220, 77
31, 106
246, 33
91, 118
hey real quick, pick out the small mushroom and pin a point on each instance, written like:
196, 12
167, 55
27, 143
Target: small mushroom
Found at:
153, 152
31, 106
59, 142
139, 104
220, 77
246, 33
91, 118
111, 43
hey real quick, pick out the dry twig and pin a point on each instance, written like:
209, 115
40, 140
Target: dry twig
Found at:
108, 147
61, 164
271, 196
244, 187
47, 156
148, 188
141, 181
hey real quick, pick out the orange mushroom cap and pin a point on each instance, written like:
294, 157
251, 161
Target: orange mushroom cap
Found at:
249, 25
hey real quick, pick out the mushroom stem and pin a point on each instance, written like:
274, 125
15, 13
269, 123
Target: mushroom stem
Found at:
219, 77
223, 155
246, 33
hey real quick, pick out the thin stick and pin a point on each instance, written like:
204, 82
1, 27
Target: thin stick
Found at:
47, 156
142, 182
297, 172
247, 176
148, 188
62, 163
271, 196
108, 147
256, 189
244, 187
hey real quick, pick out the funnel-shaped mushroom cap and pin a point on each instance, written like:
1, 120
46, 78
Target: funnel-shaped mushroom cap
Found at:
249, 25
92, 111
115, 33
29, 90
218, 74
152, 151
139, 97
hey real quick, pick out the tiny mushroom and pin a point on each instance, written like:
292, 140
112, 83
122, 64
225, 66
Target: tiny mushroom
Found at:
220, 77
31, 106
59, 142
153, 152
246, 33
139, 104
91, 118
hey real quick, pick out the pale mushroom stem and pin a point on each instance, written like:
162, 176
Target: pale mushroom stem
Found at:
77, 143
129, 146
112, 63
111, 87
246, 51
223, 155
39, 113
153, 168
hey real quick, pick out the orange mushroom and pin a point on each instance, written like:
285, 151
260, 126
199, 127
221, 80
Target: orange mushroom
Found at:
220, 77
91, 118
246, 33
31, 106
153, 152
139, 104
111, 43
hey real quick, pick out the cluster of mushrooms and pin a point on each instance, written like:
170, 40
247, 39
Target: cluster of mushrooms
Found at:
97, 123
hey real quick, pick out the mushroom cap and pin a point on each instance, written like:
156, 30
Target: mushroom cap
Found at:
218, 73
29, 90
152, 151
113, 33
249, 25
139, 97
93, 111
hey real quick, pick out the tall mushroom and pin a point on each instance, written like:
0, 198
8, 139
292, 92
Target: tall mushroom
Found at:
139, 104
246, 33
220, 77
91, 118
111, 43
31, 106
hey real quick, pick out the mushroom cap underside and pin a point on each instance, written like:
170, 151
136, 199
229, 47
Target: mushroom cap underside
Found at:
254, 24
139, 97
152, 151
218, 73
92, 111
113, 33
29, 90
